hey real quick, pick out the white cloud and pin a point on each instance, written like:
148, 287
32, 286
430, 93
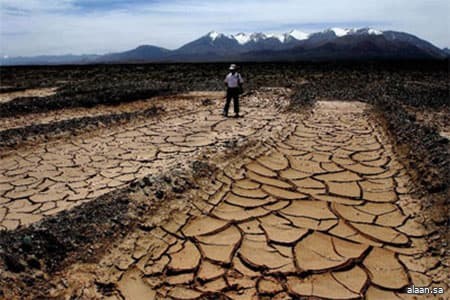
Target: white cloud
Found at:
60, 26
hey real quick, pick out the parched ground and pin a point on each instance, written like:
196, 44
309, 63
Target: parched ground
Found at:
312, 204
43, 179
43, 92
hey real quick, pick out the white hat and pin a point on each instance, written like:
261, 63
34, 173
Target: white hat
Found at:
233, 67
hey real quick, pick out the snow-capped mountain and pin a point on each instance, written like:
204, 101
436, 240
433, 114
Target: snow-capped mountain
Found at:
244, 38
217, 44
258, 37
329, 44
340, 32
345, 42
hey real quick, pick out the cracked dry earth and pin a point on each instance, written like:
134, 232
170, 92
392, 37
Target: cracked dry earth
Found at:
180, 101
320, 208
45, 178
43, 92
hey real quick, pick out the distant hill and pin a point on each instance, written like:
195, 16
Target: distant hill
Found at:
330, 44
141, 53
391, 45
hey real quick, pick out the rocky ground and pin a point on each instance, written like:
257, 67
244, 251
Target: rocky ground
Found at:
321, 190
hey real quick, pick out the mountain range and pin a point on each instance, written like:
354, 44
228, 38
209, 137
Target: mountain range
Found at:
330, 44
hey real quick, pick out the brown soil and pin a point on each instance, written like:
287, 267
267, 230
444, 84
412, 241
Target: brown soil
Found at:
318, 205
43, 179
42, 92
170, 104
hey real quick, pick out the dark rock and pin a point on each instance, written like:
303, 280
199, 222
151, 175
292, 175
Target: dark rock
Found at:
14, 263
206, 102
33, 262
159, 194
178, 189
27, 243
148, 181
105, 289
146, 227
29, 281
201, 169
167, 179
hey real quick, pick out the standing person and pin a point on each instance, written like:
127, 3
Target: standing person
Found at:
233, 82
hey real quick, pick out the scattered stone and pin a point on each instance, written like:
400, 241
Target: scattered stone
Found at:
14, 263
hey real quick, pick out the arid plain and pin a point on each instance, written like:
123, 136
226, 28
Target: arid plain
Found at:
127, 182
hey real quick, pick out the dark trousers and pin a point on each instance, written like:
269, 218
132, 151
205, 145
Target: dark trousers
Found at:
232, 93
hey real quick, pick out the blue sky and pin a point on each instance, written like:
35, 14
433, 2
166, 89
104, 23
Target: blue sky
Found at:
36, 27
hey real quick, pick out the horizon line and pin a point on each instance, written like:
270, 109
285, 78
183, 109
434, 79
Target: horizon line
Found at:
5, 57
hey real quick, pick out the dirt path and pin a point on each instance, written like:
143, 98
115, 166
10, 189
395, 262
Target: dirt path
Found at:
320, 209
169, 103
43, 92
49, 177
